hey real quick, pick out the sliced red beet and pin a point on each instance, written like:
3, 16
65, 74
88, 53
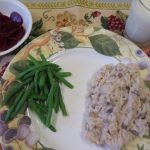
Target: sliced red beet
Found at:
8, 28
18, 34
10, 43
3, 18
11, 30
3, 44
16, 17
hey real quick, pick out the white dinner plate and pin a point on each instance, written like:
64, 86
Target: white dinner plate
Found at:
83, 64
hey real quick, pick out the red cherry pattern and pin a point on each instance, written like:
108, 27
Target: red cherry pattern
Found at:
115, 23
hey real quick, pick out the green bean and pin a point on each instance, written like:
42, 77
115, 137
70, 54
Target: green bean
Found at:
43, 57
57, 108
30, 63
36, 81
39, 66
42, 79
56, 69
23, 109
64, 74
33, 107
32, 59
24, 98
42, 92
15, 90
53, 65
12, 108
50, 76
62, 105
32, 73
56, 101
29, 75
46, 90
51, 103
63, 80
39, 97
41, 107
52, 128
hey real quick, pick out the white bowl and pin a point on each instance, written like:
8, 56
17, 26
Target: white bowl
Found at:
9, 6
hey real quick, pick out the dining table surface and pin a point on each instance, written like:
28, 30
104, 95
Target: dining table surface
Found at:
51, 15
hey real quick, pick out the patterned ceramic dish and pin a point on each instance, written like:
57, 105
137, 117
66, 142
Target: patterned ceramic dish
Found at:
6, 8
75, 51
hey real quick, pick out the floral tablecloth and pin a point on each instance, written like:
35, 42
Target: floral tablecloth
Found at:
77, 14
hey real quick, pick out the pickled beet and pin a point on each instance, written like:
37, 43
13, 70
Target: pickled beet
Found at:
3, 43
14, 16
8, 28
4, 18
11, 30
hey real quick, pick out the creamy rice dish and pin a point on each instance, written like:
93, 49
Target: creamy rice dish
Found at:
117, 106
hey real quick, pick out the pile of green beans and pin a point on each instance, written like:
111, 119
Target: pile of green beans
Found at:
39, 89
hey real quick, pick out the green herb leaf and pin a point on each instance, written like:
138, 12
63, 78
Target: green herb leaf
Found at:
105, 45
69, 40
104, 22
147, 83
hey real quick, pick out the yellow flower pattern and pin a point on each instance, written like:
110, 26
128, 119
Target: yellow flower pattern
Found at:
68, 19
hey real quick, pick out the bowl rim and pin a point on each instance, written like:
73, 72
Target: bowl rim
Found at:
27, 32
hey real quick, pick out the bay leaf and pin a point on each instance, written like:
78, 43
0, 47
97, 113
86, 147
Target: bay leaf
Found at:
69, 40
104, 45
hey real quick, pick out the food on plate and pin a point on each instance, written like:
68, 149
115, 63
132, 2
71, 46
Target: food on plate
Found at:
11, 30
16, 17
117, 106
37, 86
